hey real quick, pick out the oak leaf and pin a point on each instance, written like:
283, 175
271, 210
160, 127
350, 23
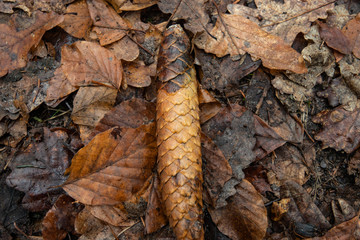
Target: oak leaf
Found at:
15, 44
236, 35
113, 167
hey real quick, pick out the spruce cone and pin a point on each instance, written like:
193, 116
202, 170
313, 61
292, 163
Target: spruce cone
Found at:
178, 136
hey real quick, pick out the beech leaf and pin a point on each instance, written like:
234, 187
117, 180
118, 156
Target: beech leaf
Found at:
113, 167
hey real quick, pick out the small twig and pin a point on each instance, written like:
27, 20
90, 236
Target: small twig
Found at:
21, 231
298, 15
38, 90
127, 229
264, 94
172, 15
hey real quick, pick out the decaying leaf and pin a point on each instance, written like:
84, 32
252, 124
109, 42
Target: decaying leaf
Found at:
137, 74
244, 216
59, 220
114, 215
334, 38
302, 208
91, 104
350, 70
236, 35
341, 129
354, 167
352, 31
128, 5
16, 41
342, 210
39, 170
77, 20
113, 167
193, 12
209, 106
178, 136
285, 18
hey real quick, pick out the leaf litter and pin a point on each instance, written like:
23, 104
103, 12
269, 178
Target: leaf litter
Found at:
279, 84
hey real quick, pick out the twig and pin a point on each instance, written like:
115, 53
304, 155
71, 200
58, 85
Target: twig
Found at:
298, 15
172, 15
264, 94
38, 90
127, 229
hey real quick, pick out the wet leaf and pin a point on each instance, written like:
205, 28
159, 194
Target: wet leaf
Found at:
77, 19
247, 36
245, 216
342, 210
113, 167
334, 38
59, 220
352, 31
18, 40
91, 104
340, 129
39, 170
284, 18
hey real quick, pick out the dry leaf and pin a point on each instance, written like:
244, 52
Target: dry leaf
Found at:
342, 210
91, 104
129, 5
131, 113
285, 18
137, 74
354, 167
17, 43
113, 167
59, 220
112, 215
84, 63
352, 31
193, 12
341, 129
245, 216
77, 19
39, 170
247, 36
334, 38
350, 70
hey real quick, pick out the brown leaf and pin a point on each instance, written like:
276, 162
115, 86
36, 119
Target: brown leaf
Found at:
84, 63
17, 43
245, 216
217, 170
284, 18
232, 130
39, 169
128, 5
334, 38
257, 176
209, 106
193, 12
112, 215
91, 104
77, 19
137, 74
59, 220
352, 32
113, 167
341, 129
342, 210
16, 132
302, 208
247, 36
346, 230
131, 113
354, 167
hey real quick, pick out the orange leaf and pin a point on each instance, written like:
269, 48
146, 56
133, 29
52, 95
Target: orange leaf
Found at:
113, 167
249, 37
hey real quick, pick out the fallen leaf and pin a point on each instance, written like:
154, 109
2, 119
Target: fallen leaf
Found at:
245, 216
137, 74
352, 31
59, 220
342, 210
302, 208
350, 70
113, 167
247, 36
346, 230
16, 132
193, 12
284, 18
128, 5
91, 104
340, 129
17, 43
232, 130
257, 176
334, 38
354, 167
208, 105
112, 215
84, 63
77, 19
130, 113
224, 74
125, 49
39, 170
217, 170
